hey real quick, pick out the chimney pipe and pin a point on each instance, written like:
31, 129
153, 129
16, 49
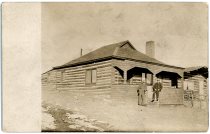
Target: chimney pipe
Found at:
81, 52
150, 49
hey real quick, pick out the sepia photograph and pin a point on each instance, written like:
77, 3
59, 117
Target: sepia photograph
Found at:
106, 66
123, 67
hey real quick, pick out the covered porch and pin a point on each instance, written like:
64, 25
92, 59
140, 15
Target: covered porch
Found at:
131, 75
136, 75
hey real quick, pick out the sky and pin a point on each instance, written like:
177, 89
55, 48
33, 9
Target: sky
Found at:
179, 30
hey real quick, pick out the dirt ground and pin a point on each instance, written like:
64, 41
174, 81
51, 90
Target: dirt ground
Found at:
152, 118
121, 117
126, 118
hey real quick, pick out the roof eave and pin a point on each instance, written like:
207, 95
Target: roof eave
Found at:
82, 63
116, 57
124, 58
47, 71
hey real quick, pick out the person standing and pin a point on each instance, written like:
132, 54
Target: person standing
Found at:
142, 88
157, 87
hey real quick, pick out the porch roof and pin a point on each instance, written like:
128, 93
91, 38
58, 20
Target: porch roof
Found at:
168, 74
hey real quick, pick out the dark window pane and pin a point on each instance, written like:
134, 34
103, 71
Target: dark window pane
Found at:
174, 83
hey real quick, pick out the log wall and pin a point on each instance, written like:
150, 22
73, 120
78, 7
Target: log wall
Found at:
73, 78
67, 86
71, 82
195, 80
49, 81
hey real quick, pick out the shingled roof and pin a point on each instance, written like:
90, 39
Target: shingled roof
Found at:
121, 50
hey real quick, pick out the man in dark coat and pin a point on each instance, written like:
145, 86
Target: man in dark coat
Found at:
142, 88
157, 87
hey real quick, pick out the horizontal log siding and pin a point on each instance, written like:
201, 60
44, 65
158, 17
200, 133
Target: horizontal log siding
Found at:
72, 91
73, 78
106, 88
196, 80
44, 80
135, 80
49, 81
167, 83
118, 79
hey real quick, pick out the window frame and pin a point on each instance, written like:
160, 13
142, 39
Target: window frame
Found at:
145, 78
91, 76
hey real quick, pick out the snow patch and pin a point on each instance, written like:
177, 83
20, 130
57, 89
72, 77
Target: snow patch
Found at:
47, 121
76, 116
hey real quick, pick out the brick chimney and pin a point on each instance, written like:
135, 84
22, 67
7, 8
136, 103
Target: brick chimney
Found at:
150, 49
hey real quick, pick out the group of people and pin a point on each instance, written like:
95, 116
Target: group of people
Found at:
142, 89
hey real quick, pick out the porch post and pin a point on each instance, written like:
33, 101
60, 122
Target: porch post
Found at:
154, 78
125, 76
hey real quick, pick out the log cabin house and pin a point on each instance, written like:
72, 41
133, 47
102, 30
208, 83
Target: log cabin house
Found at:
113, 72
196, 80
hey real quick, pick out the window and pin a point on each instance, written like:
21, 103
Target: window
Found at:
143, 76
90, 76
188, 85
93, 76
149, 79
174, 83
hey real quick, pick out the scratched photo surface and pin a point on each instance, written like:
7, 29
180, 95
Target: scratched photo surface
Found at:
119, 67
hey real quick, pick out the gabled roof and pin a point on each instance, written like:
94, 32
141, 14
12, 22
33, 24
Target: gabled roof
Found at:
197, 70
190, 69
121, 50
